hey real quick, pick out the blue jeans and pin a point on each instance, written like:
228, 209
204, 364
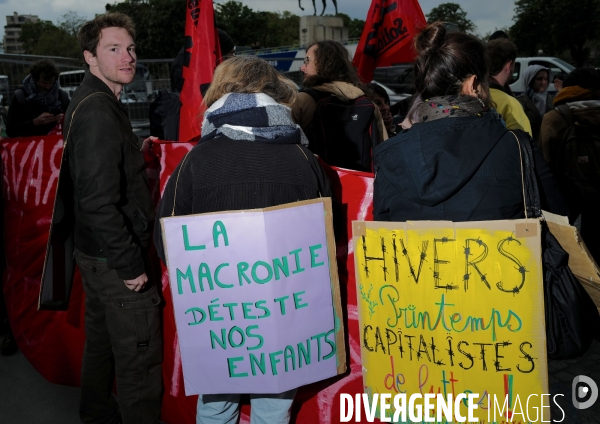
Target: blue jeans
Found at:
265, 409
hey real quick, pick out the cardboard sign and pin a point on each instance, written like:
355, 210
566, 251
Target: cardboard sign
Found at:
453, 308
256, 298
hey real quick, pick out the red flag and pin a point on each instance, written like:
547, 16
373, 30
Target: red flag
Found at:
201, 54
387, 37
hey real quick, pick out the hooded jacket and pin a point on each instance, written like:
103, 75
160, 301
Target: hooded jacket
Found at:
458, 169
532, 112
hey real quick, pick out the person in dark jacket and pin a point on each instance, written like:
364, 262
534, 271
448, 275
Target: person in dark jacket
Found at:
251, 155
457, 162
536, 100
39, 105
164, 110
581, 97
113, 225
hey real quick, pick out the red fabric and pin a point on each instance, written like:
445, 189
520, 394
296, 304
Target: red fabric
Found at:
387, 37
202, 49
53, 341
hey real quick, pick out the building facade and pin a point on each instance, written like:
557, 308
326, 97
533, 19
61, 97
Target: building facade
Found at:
12, 32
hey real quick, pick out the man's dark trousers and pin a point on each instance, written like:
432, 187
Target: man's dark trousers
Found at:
122, 331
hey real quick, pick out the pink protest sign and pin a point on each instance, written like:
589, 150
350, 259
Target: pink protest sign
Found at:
256, 298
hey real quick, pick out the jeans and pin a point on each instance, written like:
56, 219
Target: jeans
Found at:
264, 409
123, 336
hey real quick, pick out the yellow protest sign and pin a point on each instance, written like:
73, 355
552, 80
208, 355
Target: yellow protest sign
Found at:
454, 308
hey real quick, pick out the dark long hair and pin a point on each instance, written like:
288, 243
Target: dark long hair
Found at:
333, 64
445, 61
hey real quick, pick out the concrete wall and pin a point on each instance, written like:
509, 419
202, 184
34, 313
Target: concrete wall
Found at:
317, 28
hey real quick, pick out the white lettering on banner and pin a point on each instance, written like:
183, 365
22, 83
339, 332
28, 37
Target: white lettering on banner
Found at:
33, 167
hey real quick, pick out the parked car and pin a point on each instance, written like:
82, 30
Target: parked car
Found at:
394, 97
400, 78
555, 64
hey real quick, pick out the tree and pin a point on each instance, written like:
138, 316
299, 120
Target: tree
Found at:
574, 26
555, 26
46, 39
241, 23
451, 12
159, 26
532, 27
31, 33
355, 26
71, 22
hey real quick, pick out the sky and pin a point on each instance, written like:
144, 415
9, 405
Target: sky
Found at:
488, 15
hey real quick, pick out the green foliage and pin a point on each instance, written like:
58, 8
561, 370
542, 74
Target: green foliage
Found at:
44, 38
159, 26
71, 22
451, 12
262, 29
555, 26
355, 26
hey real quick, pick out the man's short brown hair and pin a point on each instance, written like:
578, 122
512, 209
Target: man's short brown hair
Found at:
89, 33
501, 51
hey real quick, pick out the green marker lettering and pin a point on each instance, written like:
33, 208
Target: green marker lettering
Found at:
188, 276
232, 367
255, 276
219, 229
186, 241
242, 267
297, 300
296, 254
275, 361
281, 301
222, 285
314, 256
261, 364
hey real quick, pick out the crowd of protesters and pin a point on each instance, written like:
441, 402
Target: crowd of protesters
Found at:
455, 157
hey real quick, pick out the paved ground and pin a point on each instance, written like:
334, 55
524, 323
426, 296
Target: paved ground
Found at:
26, 398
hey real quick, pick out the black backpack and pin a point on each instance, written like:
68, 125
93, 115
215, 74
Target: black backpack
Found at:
576, 159
343, 133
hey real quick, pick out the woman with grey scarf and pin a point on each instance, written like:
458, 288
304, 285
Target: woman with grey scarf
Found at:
251, 155
536, 100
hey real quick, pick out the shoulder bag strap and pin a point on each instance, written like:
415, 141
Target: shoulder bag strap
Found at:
73, 115
531, 195
313, 170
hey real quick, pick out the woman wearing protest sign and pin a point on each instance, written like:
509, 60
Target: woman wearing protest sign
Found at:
251, 155
458, 161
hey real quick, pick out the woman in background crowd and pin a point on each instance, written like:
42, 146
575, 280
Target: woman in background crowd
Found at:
458, 161
536, 100
251, 155
378, 95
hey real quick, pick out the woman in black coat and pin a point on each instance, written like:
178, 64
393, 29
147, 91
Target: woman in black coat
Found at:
458, 161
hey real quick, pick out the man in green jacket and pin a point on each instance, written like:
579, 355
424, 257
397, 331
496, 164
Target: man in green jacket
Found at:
113, 223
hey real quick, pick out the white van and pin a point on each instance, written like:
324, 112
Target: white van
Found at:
70, 80
4, 90
555, 64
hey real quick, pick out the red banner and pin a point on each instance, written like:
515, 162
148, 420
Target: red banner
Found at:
201, 57
53, 341
387, 37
